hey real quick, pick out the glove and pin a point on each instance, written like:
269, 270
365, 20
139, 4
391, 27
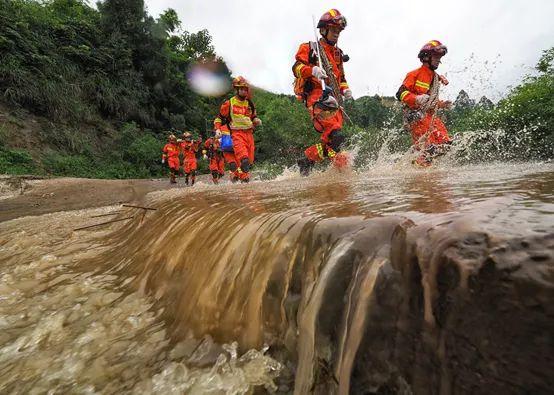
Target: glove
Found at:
421, 99
205, 157
163, 161
319, 73
348, 95
217, 133
443, 79
257, 122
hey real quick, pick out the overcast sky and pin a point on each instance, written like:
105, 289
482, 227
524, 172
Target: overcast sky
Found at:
492, 44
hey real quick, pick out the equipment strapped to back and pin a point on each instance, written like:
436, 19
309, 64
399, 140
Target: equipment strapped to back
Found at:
303, 86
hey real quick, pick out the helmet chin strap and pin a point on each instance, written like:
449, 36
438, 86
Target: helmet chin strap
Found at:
324, 34
427, 61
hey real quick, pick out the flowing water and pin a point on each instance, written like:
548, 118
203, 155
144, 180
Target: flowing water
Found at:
387, 279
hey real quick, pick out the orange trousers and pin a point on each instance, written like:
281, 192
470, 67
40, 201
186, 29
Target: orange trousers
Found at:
173, 163
424, 134
189, 165
217, 164
243, 145
326, 122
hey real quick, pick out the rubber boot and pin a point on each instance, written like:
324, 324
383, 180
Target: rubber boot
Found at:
305, 166
422, 161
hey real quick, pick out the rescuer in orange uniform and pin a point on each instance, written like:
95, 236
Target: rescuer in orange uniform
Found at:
212, 150
190, 147
239, 114
419, 94
326, 114
170, 155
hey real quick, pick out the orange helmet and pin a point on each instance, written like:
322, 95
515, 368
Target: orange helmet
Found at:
432, 47
332, 18
240, 82
187, 135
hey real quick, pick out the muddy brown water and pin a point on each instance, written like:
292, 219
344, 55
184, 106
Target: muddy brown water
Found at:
398, 280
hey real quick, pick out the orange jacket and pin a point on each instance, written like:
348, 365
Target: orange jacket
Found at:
306, 59
190, 148
171, 150
236, 113
417, 82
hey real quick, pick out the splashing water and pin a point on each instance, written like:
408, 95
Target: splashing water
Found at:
66, 329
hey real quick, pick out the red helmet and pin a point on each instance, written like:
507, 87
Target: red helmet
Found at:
240, 82
332, 18
432, 47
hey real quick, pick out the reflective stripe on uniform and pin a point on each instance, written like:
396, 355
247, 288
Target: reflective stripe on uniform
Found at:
331, 152
422, 84
298, 70
403, 95
319, 147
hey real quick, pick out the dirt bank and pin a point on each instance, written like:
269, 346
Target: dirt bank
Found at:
23, 196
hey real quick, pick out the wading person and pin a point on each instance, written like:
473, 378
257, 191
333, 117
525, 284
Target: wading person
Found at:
212, 150
239, 115
170, 155
190, 147
420, 95
317, 62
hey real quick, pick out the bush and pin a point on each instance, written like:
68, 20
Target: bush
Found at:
16, 162
68, 165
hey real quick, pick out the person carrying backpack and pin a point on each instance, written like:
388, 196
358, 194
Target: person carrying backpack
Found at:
325, 106
239, 115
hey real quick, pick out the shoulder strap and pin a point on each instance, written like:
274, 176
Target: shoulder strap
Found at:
312, 57
227, 120
251, 105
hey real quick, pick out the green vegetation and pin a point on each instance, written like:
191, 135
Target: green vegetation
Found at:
93, 72
15, 161
92, 93
520, 126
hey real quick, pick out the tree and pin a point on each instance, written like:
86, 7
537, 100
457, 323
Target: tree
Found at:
170, 20
485, 103
463, 101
